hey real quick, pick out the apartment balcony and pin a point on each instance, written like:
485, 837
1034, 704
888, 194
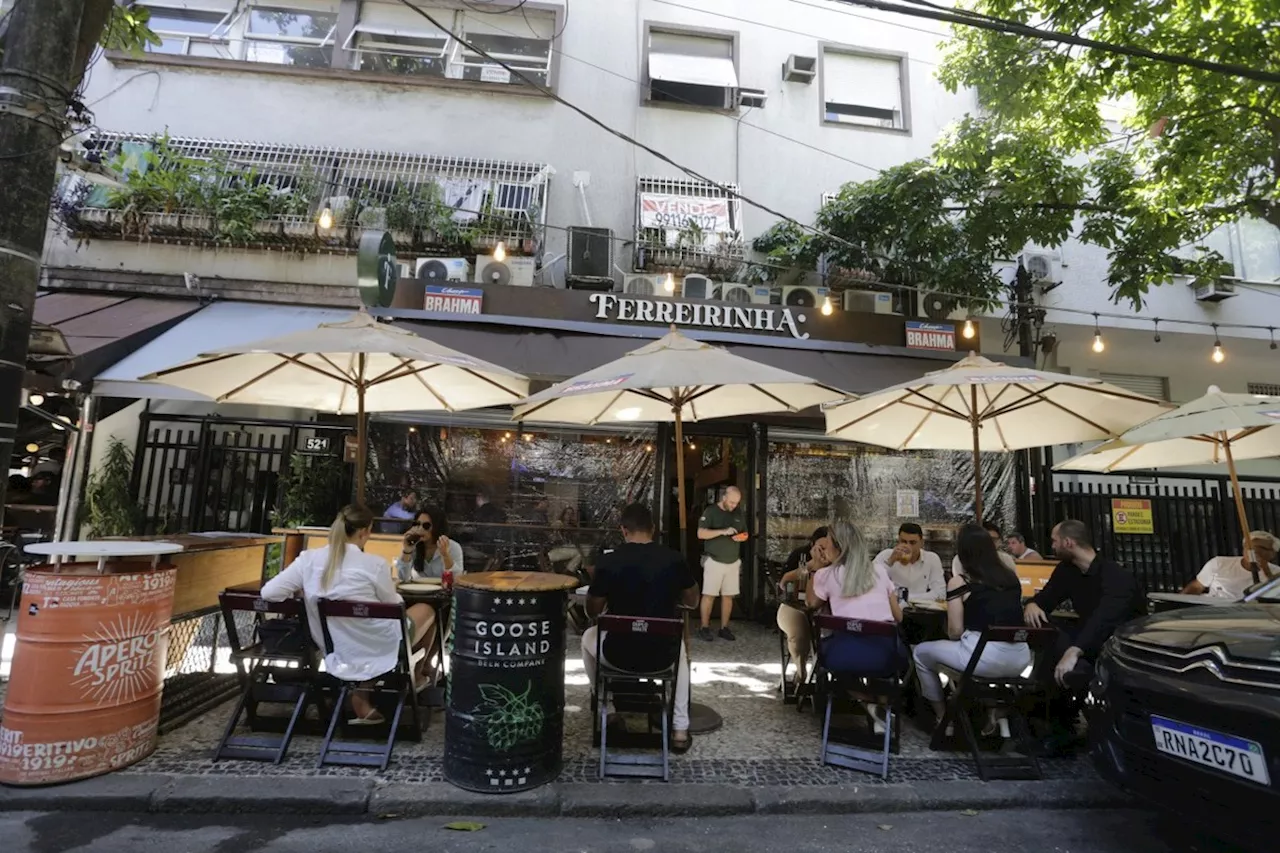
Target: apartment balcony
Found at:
685, 226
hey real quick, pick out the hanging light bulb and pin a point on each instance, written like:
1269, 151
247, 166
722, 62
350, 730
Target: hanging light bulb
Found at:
669, 284
1098, 344
36, 399
500, 253
1218, 355
827, 308
1273, 337
1157, 323
326, 219
968, 331
32, 447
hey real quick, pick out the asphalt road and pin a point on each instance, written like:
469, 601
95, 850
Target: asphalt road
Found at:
1110, 831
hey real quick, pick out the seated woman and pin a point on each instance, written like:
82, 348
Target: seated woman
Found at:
428, 552
985, 592
363, 649
856, 588
793, 618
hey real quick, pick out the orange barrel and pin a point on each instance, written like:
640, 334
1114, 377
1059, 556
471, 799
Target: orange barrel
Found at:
88, 671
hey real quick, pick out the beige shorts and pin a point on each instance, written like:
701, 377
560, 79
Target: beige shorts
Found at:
720, 578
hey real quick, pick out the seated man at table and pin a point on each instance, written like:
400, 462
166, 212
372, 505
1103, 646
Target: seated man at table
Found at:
1105, 595
1018, 547
642, 578
1229, 577
997, 538
911, 567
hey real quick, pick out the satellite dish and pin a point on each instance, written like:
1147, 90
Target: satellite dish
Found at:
495, 272
377, 272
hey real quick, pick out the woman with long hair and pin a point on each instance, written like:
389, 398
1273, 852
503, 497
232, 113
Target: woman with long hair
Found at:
363, 649
984, 593
793, 617
855, 587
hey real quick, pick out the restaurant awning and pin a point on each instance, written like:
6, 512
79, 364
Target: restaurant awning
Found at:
217, 326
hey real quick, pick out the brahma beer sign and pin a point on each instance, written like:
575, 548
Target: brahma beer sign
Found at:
88, 670
939, 336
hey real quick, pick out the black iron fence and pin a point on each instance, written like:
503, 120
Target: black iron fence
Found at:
1192, 521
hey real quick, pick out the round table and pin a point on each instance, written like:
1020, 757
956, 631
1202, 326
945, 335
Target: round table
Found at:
103, 550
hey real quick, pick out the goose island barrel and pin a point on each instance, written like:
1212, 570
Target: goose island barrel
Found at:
88, 671
504, 722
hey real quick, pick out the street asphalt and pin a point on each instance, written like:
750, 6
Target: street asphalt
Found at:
1069, 831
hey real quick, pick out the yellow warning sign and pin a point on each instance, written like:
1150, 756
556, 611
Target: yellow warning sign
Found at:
1131, 516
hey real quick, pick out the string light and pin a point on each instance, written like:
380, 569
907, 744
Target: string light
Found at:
326, 219
1157, 322
413, 429
32, 447
36, 399
648, 448
1218, 355
1098, 344
500, 253
669, 284
968, 331
826, 306
1271, 331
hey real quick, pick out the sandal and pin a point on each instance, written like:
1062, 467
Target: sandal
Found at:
680, 745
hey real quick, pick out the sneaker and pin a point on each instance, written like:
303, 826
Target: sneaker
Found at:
705, 634
726, 634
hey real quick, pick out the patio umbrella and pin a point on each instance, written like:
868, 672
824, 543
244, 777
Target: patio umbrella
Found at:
355, 366
1211, 430
675, 379
983, 405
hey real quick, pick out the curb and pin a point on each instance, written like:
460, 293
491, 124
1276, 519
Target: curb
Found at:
229, 794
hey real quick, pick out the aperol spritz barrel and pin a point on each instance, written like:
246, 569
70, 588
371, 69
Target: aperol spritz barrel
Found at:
88, 671
504, 723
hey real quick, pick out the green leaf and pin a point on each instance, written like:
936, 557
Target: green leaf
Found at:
970, 813
464, 826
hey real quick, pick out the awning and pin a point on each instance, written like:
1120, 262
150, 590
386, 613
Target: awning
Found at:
715, 71
220, 325
101, 328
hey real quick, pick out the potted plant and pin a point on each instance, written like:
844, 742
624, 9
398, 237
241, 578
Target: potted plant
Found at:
110, 509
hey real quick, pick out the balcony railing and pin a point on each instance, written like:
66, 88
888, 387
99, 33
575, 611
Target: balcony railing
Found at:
687, 226
211, 192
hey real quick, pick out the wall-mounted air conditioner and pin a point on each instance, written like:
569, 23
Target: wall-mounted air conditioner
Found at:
697, 287
800, 69
643, 285
754, 294
513, 271
1214, 290
868, 302
802, 296
1042, 267
436, 270
752, 98
939, 308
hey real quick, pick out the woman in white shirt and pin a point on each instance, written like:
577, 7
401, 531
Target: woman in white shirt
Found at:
363, 649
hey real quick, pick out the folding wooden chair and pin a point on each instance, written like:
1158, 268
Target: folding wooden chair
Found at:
395, 686
1013, 693
636, 690
886, 689
276, 667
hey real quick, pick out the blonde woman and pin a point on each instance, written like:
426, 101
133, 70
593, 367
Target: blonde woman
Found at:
363, 649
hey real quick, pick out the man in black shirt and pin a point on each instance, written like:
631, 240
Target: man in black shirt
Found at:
1104, 594
642, 578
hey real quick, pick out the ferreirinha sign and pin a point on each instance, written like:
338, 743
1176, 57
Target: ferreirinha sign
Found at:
743, 318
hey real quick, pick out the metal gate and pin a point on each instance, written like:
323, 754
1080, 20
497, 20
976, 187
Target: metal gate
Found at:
193, 473
1193, 520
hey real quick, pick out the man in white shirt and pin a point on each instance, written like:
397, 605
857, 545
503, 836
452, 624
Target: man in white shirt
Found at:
993, 530
1229, 577
909, 565
1019, 548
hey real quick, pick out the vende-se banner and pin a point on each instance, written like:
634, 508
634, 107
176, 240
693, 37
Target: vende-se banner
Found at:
712, 215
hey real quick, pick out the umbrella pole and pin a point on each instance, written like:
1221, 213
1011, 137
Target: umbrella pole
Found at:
362, 433
680, 499
1244, 521
977, 455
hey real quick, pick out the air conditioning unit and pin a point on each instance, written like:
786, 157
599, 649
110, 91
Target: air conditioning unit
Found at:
827, 198
1214, 290
697, 287
436, 270
940, 308
590, 265
644, 285
800, 69
745, 293
514, 272
868, 302
1042, 267
752, 98
800, 296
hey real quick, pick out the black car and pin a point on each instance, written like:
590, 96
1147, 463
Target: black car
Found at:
1185, 712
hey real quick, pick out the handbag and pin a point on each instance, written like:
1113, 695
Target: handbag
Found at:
285, 636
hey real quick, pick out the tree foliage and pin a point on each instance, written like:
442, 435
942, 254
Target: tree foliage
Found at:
1141, 157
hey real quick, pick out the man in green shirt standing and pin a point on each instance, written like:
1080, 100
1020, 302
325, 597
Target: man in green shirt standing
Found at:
721, 530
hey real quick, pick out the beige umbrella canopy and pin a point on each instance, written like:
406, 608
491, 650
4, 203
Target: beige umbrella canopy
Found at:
675, 379
1214, 429
983, 405
355, 366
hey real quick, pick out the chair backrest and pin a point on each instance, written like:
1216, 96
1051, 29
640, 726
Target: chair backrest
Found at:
231, 603
1039, 639
641, 625
862, 627
330, 608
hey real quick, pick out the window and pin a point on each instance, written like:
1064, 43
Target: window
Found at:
864, 89
691, 69
1267, 389
689, 215
521, 41
397, 40
291, 35
190, 29
1148, 386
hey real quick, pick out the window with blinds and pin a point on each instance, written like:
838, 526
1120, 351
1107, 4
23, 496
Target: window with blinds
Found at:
864, 89
1148, 386
1269, 389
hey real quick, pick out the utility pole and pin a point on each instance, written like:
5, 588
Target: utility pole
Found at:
46, 44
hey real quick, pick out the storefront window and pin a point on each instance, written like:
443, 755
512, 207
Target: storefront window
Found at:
531, 501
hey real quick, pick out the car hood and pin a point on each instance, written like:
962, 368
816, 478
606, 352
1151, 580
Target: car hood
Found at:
1243, 631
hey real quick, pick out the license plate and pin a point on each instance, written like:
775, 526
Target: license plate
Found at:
1237, 756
